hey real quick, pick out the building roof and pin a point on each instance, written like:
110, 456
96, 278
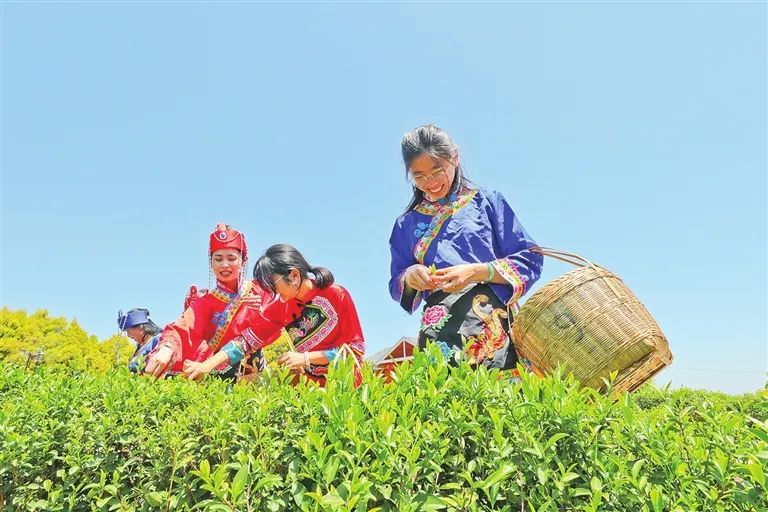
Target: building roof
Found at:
384, 353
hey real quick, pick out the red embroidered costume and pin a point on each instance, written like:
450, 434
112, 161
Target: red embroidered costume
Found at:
327, 321
219, 315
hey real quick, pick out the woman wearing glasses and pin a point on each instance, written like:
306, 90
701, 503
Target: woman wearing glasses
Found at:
460, 250
318, 315
213, 319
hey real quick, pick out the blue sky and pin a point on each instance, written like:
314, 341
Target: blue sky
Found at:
631, 133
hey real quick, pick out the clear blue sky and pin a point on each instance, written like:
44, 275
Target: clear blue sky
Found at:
631, 133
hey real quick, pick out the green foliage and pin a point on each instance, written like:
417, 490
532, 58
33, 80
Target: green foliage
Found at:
750, 404
62, 343
280, 346
437, 438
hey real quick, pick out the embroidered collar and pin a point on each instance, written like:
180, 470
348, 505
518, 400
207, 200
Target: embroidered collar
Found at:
426, 233
221, 288
433, 208
447, 199
224, 293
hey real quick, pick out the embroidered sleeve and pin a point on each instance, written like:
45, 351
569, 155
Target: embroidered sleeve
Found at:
350, 331
357, 349
234, 350
331, 354
349, 338
519, 266
402, 258
247, 343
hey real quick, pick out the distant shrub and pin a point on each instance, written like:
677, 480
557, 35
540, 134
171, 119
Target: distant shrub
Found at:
750, 404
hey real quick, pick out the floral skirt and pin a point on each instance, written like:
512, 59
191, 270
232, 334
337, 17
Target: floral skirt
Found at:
471, 325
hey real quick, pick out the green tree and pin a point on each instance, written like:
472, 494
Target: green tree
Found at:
61, 342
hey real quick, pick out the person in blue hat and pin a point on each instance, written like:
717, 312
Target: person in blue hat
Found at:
140, 328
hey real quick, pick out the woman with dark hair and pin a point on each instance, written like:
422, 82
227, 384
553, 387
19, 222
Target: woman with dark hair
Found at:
213, 319
140, 328
318, 315
461, 250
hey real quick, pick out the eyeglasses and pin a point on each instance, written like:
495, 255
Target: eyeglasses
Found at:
423, 179
274, 283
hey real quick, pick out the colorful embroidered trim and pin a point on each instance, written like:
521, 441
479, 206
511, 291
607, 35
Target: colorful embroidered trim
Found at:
228, 314
222, 295
433, 208
509, 272
249, 340
428, 208
358, 348
442, 215
325, 328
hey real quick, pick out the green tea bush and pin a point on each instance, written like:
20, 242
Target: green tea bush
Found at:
750, 404
437, 438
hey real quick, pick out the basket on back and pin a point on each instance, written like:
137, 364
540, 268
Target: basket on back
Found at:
589, 322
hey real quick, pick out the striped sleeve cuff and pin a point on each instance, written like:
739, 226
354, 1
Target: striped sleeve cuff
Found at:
512, 276
331, 354
234, 350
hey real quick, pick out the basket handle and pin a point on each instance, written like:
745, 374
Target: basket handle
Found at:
567, 257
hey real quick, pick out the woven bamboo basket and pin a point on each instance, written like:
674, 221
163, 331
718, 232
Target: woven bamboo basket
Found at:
588, 321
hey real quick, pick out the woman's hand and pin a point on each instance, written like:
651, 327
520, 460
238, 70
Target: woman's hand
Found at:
252, 302
160, 361
194, 370
293, 360
456, 278
419, 278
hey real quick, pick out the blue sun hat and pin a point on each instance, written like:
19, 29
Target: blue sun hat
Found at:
133, 318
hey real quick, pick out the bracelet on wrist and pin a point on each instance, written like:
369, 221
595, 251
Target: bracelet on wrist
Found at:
491, 272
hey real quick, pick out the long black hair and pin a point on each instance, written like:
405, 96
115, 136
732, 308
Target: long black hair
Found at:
430, 140
280, 259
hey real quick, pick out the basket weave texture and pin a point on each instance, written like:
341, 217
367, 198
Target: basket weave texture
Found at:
591, 323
